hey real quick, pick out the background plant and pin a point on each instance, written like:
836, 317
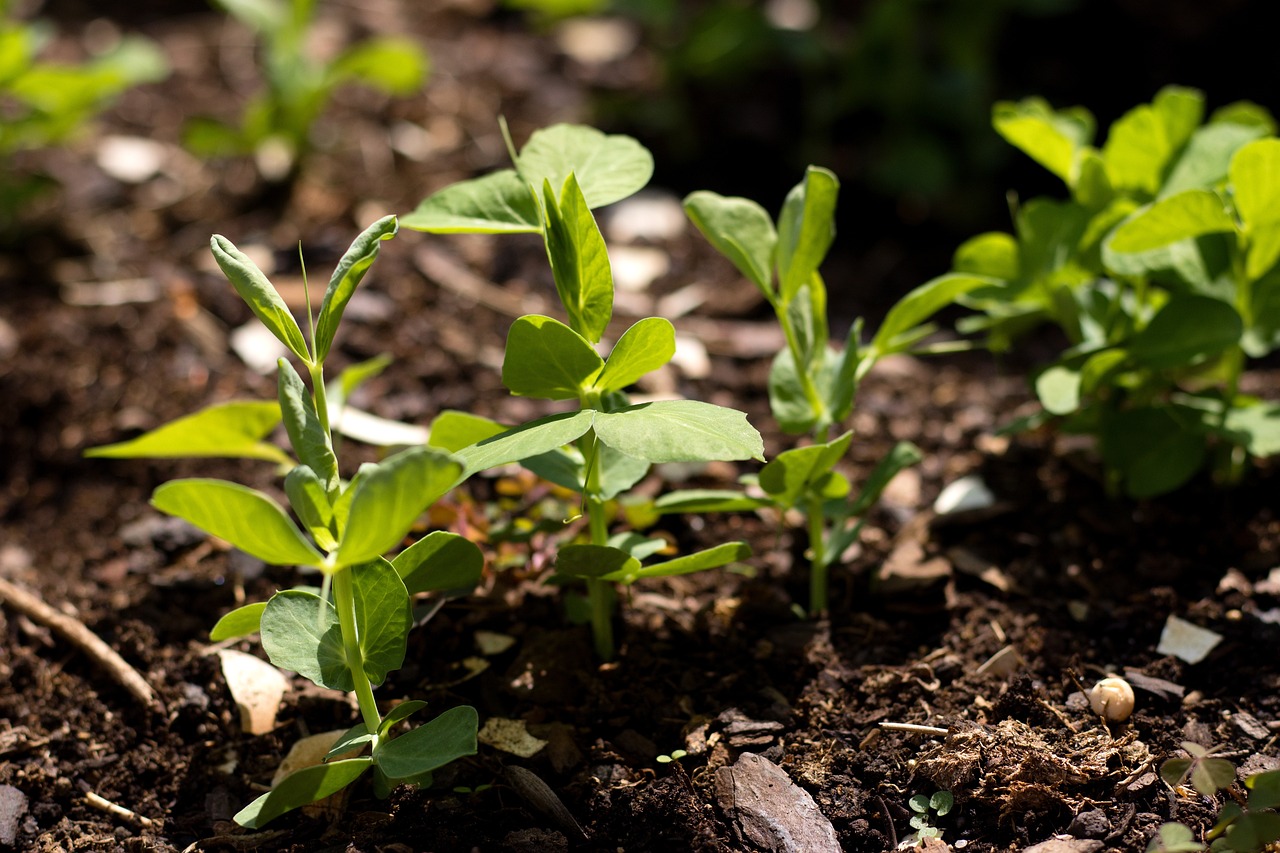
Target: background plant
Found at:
1246, 828
1160, 272
606, 445
45, 103
277, 123
352, 632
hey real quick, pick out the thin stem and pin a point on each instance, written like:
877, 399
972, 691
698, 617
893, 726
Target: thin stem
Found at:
806, 380
818, 558
321, 396
344, 600
598, 591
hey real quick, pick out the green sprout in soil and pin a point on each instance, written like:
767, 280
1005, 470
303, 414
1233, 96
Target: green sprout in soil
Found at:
1244, 825
605, 444
674, 755
351, 633
926, 812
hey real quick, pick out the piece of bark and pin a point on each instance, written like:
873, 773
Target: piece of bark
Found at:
769, 811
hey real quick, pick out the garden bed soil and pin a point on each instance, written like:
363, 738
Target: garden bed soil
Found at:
984, 626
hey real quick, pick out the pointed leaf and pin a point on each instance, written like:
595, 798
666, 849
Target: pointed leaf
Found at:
1050, 138
1204, 161
1138, 148
1188, 214
390, 496
1186, 331
309, 438
642, 349
310, 501
739, 229
258, 293
608, 168
248, 519
597, 561
440, 562
384, 616
547, 359
579, 260
300, 632
707, 500
400, 713
305, 786
790, 474
240, 622
499, 203
806, 229
350, 270
453, 430
680, 431
721, 555
531, 439
917, 307
903, 455
430, 746
233, 430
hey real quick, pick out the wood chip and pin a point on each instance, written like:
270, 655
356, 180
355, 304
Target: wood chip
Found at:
771, 812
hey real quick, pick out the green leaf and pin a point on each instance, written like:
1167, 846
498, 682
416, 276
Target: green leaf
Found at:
1264, 790
788, 401
1155, 450
353, 738
1211, 775
353, 377
1264, 250
1174, 771
531, 439
608, 168
453, 430
1255, 184
789, 475
440, 562
739, 229
1203, 163
597, 561
257, 292
1139, 146
547, 359
711, 558
397, 66
1186, 331
1245, 113
697, 501
1050, 138
806, 229
399, 713
642, 349
350, 270
240, 622
1174, 838
618, 472
1180, 110
1256, 428
1188, 214
915, 308
579, 260
309, 438
903, 455
263, 16
499, 203
994, 255
248, 519
680, 431
301, 787
300, 632
390, 496
310, 501
1253, 831
232, 430
384, 616
432, 745
1059, 390
941, 803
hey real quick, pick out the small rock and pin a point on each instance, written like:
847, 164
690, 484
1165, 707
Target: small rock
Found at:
1186, 641
168, 533
1065, 845
510, 736
596, 41
257, 347
13, 805
967, 494
1092, 823
770, 811
646, 216
131, 159
637, 267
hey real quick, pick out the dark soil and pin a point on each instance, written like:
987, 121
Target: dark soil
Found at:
113, 321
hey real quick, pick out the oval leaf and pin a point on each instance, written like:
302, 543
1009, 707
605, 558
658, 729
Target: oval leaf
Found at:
248, 519
806, 229
642, 349
233, 430
384, 616
240, 622
432, 745
789, 475
310, 501
680, 431
1255, 181
739, 229
440, 561
721, 555
597, 561
608, 168
309, 438
1192, 213
258, 293
350, 270
298, 789
499, 203
528, 440
1050, 138
547, 359
1187, 330
300, 632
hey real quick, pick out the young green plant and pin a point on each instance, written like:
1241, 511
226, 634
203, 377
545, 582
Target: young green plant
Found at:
812, 384
352, 633
276, 124
1160, 270
1239, 829
606, 445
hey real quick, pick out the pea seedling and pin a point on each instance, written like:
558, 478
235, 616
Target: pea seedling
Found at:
353, 633
607, 445
926, 810
1239, 829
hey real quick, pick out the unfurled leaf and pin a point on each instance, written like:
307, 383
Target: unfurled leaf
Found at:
547, 359
310, 500
721, 555
453, 430
806, 229
1050, 138
789, 475
739, 229
432, 745
261, 297
680, 431
300, 632
608, 168
1203, 163
579, 260
308, 436
531, 439
596, 561
917, 307
233, 430
707, 500
642, 349
240, 622
397, 66
298, 789
1186, 331
1155, 450
389, 497
248, 519
440, 562
1192, 213
384, 615
342, 285
498, 203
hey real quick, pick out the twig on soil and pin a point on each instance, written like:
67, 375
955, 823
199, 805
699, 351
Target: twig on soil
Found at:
913, 727
118, 810
74, 630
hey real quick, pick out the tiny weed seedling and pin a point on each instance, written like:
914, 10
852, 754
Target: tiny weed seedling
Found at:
352, 633
606, 445
45, 103
926, 812
276, 124
1247, 828
674, 755
1160, 270
812, 385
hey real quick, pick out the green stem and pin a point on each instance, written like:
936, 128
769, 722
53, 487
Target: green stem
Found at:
320, 395
344, 598
598, 591
806, 379
818, 601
